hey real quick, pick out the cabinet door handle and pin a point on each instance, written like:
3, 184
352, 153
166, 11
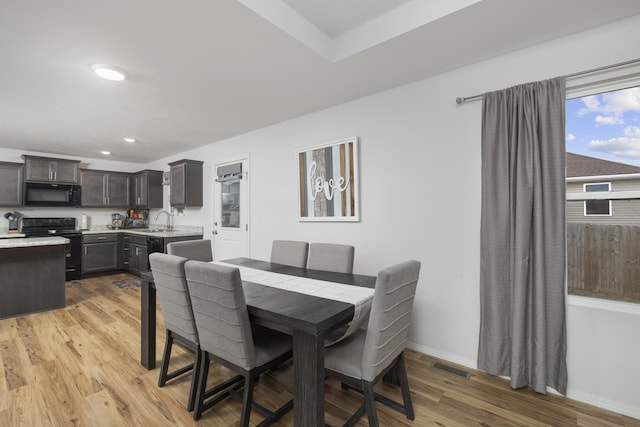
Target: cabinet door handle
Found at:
85, 250
101, 238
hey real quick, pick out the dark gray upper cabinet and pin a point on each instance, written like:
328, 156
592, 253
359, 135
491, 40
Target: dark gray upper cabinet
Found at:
186, 183
146, 189
104, 188
45, 169
11, 176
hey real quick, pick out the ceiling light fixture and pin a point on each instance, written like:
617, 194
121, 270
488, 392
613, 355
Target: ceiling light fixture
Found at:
109, 72
129, 140
106, 153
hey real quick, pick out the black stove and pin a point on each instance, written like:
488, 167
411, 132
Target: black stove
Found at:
63, 227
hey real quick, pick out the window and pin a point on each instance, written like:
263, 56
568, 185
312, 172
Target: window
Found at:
603, 193
230, 203
595, 206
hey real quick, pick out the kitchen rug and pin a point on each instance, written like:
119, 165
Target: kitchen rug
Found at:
73, 283
127, 283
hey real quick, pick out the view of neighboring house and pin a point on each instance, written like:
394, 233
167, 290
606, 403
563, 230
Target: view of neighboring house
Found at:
602, 191
603, 228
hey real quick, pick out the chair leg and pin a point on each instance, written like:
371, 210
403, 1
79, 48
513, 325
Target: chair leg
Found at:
166, 356
194, 380
404, 386
370, 403
247, 398
202, 384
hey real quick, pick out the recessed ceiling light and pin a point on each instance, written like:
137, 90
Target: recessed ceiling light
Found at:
109, 72
106, 153
129, 139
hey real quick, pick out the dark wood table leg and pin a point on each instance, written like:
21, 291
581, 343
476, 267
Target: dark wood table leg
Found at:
308, 373
148, 322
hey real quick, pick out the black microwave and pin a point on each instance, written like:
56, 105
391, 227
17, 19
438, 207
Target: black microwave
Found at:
43, 194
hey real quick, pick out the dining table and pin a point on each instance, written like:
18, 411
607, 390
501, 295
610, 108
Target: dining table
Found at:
309, 319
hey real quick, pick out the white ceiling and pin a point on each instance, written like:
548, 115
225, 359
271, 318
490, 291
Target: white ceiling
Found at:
202, 71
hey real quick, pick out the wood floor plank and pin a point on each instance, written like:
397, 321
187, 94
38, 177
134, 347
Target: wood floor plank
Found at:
79, 366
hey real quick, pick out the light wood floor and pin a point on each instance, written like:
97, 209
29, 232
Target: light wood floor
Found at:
79, 366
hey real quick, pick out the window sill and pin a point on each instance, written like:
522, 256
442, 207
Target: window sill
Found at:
601, 304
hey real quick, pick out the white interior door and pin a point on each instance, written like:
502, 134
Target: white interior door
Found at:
231, 210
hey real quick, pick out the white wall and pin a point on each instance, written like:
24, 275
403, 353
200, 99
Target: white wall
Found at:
420, 198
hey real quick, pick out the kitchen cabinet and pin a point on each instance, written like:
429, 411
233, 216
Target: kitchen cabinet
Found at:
99, 252
104, 188
45, 169
124, 245
11, 176
186, 183
146, 190
139, 254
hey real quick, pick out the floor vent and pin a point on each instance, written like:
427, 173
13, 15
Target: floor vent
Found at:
455, 371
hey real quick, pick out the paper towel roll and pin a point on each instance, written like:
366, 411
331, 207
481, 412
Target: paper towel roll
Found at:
84, 222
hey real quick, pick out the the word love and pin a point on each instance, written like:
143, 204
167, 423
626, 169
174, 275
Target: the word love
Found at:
319, 184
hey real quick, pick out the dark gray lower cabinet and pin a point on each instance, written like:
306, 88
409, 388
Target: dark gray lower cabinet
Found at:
107, 252
139, 254
124, 260
99, 252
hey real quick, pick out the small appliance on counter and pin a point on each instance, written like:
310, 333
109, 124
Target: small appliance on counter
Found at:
137, 218
117, 221
84, 222
14, 219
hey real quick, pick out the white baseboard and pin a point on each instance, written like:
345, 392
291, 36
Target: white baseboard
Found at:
571, 394
616, 407
445, 356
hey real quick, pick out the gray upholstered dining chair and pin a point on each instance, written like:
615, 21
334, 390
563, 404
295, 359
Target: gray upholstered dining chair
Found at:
366, 356
198, 250
175, 303
331, 257
290, 252
222, 321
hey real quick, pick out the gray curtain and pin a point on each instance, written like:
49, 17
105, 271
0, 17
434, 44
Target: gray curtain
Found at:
522, 291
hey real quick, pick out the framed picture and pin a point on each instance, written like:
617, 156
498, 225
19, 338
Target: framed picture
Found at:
328, 182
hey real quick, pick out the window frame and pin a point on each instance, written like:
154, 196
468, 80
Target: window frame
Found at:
584, 190
592, 84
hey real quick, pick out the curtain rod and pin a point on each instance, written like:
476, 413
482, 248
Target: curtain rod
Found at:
462, 100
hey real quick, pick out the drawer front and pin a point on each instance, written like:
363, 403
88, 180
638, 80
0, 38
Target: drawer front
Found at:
100, 238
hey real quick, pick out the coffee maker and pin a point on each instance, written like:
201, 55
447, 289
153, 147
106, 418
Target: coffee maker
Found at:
117, 221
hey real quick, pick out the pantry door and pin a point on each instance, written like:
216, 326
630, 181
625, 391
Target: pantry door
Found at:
231, 210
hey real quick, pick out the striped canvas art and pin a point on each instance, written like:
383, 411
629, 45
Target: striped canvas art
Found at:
328, 182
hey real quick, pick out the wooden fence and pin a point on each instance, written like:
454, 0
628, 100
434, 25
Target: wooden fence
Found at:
604, 259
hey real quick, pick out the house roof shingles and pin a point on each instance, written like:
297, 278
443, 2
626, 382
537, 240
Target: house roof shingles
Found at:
578, 165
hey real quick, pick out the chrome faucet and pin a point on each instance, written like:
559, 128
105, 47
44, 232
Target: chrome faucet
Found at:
169, 219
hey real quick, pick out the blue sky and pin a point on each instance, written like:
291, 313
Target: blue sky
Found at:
606, 126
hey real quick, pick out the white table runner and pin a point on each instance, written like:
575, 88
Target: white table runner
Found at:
361, 297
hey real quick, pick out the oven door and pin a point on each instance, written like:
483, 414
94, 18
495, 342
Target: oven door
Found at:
73, 256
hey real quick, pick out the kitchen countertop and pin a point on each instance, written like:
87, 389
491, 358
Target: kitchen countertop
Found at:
4, 234
26, 242
153, 231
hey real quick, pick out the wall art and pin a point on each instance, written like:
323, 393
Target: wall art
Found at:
328, 182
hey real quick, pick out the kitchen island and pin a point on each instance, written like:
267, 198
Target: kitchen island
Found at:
32, 275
